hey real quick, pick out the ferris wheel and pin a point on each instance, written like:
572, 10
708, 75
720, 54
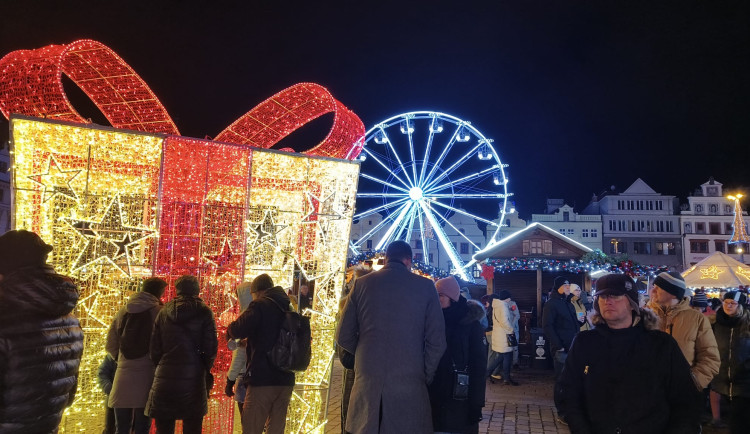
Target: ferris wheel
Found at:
419, 170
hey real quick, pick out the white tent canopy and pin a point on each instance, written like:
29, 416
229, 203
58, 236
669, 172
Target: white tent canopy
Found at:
717, 271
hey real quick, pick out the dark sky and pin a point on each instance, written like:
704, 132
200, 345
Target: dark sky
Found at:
577, 95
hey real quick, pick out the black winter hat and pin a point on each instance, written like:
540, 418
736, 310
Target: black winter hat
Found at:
736, 296
672, 282
187, 285
560, 281
261, 283
699, 299
154, 286
21, 248
617, 284
503, 295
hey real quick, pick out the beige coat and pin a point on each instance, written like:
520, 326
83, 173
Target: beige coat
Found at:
692, 331
394, 326
133, 377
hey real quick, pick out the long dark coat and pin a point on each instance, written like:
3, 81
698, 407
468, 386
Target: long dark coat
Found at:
733, 339
560, 321
179, 388
41, 343
394, 326
467, 349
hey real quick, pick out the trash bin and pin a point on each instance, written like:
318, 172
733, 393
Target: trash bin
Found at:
541, 358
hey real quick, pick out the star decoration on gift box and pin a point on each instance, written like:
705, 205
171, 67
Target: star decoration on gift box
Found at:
325, 207
265, 231
56, 181
109, 239
711, 272
225, 260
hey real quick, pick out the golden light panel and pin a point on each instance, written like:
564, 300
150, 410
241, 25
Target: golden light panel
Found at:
118, 206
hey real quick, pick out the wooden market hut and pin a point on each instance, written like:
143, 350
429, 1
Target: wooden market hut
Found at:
539, 243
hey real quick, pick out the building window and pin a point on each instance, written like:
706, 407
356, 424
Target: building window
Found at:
727, 209
562, 231
463, 231
369, 222
571, 231
728, 228
665, 249
719, 246
566, 216
594, 233
688, 228
369, 244
617, 246
700, 228
713, 209
699, 246
464, 248
699, 209
417, 244
642, 248
584, 233
430, 256
714, 228
547, 245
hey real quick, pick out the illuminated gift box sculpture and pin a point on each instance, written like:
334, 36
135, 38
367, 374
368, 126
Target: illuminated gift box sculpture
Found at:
121, 205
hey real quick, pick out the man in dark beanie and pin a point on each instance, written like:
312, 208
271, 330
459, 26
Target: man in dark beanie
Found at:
128, 342
41, 342
269, 389
183, 348
561, 325
690, 328
625, 375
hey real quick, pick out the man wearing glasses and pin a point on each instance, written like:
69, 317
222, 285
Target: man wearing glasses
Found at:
625, 375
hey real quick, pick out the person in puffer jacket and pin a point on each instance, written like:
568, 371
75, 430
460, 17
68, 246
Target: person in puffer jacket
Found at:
183, 348
41, 341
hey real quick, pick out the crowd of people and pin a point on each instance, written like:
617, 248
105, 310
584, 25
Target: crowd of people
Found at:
417, 353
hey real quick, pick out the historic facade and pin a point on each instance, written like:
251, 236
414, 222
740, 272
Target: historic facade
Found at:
586, 229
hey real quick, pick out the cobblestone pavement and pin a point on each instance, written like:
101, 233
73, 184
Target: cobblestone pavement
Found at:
527, 408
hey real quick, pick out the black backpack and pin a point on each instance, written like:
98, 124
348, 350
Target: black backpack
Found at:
293, 348
135, 334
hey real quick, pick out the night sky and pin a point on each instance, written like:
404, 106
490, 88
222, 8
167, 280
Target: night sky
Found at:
577, 95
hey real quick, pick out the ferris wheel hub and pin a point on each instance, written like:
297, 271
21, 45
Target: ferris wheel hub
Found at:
415, 193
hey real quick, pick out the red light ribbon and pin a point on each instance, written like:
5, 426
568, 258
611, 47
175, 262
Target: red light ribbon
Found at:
31, 84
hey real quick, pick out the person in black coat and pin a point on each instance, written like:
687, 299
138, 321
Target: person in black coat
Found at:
561, 325
627, 376
183, 348
41, 341
269, 389
732, 331
467, 352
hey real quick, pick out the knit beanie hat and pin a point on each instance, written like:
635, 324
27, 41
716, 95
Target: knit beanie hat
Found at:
21, 248
448, 287
699, 299
560, 281
261, 283
736, 296
187, 285
503, 295
672, 282
154, 286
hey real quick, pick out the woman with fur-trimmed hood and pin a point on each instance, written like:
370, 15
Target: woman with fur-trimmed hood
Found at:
467, 352
625, 375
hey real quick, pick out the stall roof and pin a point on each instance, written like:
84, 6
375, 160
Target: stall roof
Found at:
719, 270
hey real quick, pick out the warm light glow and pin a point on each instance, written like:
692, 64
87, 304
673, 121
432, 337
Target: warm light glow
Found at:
122, 206
711, 272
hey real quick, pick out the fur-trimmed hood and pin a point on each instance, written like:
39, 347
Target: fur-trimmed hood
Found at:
648, 318
474, 312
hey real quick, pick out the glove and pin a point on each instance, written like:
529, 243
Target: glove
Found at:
229, 389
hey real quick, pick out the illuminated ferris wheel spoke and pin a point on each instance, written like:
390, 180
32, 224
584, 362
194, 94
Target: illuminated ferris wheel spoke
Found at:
463, 180
374, 230
442, 155
462, 212
380, 208
419, 196
388, 184
452, 168
458, 231
445, 242
395, 154
389, 234
387, 168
